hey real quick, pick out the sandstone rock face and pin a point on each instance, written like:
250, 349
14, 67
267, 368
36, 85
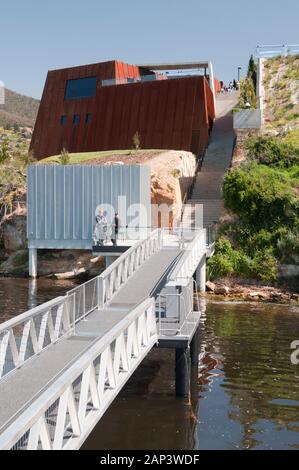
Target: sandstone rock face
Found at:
14, 234
68, 264
172, 173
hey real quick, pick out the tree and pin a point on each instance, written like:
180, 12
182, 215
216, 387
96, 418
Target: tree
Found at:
247, 93
64, 158
252, 71
136, 141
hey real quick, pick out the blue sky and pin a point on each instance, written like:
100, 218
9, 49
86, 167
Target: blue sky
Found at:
36, 35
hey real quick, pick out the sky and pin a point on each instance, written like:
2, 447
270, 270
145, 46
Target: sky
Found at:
37, 36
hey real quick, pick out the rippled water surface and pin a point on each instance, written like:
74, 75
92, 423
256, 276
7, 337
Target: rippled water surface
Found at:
18, 295
245, 394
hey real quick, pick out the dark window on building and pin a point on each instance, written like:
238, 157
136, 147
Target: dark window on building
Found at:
88, 118
80, 88
63, 120
76, 119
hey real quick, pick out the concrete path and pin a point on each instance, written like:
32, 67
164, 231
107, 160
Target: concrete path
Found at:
209, 181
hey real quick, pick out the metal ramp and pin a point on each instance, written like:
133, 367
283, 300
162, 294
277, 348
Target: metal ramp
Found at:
71, 357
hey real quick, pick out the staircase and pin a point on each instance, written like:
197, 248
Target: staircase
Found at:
207, 189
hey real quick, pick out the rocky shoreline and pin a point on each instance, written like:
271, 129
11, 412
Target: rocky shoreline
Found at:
238, 290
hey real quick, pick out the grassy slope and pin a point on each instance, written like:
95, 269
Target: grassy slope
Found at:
85, 156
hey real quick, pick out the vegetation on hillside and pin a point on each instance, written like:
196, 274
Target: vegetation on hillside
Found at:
281, 82
18, 110
263, 194
14, 156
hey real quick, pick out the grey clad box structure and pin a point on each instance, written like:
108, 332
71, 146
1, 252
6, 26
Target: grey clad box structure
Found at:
62, 200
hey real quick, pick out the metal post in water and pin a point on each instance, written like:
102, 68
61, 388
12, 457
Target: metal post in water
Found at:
182, 372
33, 262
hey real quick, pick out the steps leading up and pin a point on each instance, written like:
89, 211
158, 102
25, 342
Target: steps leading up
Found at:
207, 190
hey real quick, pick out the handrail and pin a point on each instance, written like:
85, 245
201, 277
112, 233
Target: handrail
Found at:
183, 313
26, 335
30, 313
189, 261
94, 379
122, 269
268, 51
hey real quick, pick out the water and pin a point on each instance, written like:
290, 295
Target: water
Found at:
245, 394
18, 295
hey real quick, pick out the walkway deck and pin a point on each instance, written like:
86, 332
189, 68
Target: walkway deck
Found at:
24, 385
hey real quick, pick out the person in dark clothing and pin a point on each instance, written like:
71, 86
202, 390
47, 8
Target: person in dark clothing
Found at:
115, 229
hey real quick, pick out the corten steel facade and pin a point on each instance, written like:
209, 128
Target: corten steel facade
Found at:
168, 113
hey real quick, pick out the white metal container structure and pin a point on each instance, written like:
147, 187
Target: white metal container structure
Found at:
62, 200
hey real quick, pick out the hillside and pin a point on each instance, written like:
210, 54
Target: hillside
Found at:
18, 109
258, 240
281, 85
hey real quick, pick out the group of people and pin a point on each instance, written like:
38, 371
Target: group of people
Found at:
234, 85
105, 230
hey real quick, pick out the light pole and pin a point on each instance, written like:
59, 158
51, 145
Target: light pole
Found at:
239, 70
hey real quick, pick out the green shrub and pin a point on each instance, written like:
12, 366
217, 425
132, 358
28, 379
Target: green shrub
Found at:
272, 151
261, 196
229, 261
176, 173
264, 266
4, 151
288, 247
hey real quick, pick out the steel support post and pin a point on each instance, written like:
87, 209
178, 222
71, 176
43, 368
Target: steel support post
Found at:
182, 372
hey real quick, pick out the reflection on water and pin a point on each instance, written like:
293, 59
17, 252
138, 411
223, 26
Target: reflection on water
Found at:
245, 394
19, 295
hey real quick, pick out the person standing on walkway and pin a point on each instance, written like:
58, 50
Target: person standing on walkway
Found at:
115, 229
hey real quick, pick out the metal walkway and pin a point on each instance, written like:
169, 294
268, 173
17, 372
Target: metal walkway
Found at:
63, 363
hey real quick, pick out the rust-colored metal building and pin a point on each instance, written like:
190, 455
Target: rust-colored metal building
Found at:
101, 106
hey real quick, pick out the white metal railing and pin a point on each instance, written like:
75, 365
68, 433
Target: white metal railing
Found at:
64, 414
173, 310
28, 334
99, 290
110, 281
194, 251
276, 50
85, 299
128, 80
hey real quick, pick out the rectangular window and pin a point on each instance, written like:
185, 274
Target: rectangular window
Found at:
76, 119
80, 88
88, 118
63, 120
